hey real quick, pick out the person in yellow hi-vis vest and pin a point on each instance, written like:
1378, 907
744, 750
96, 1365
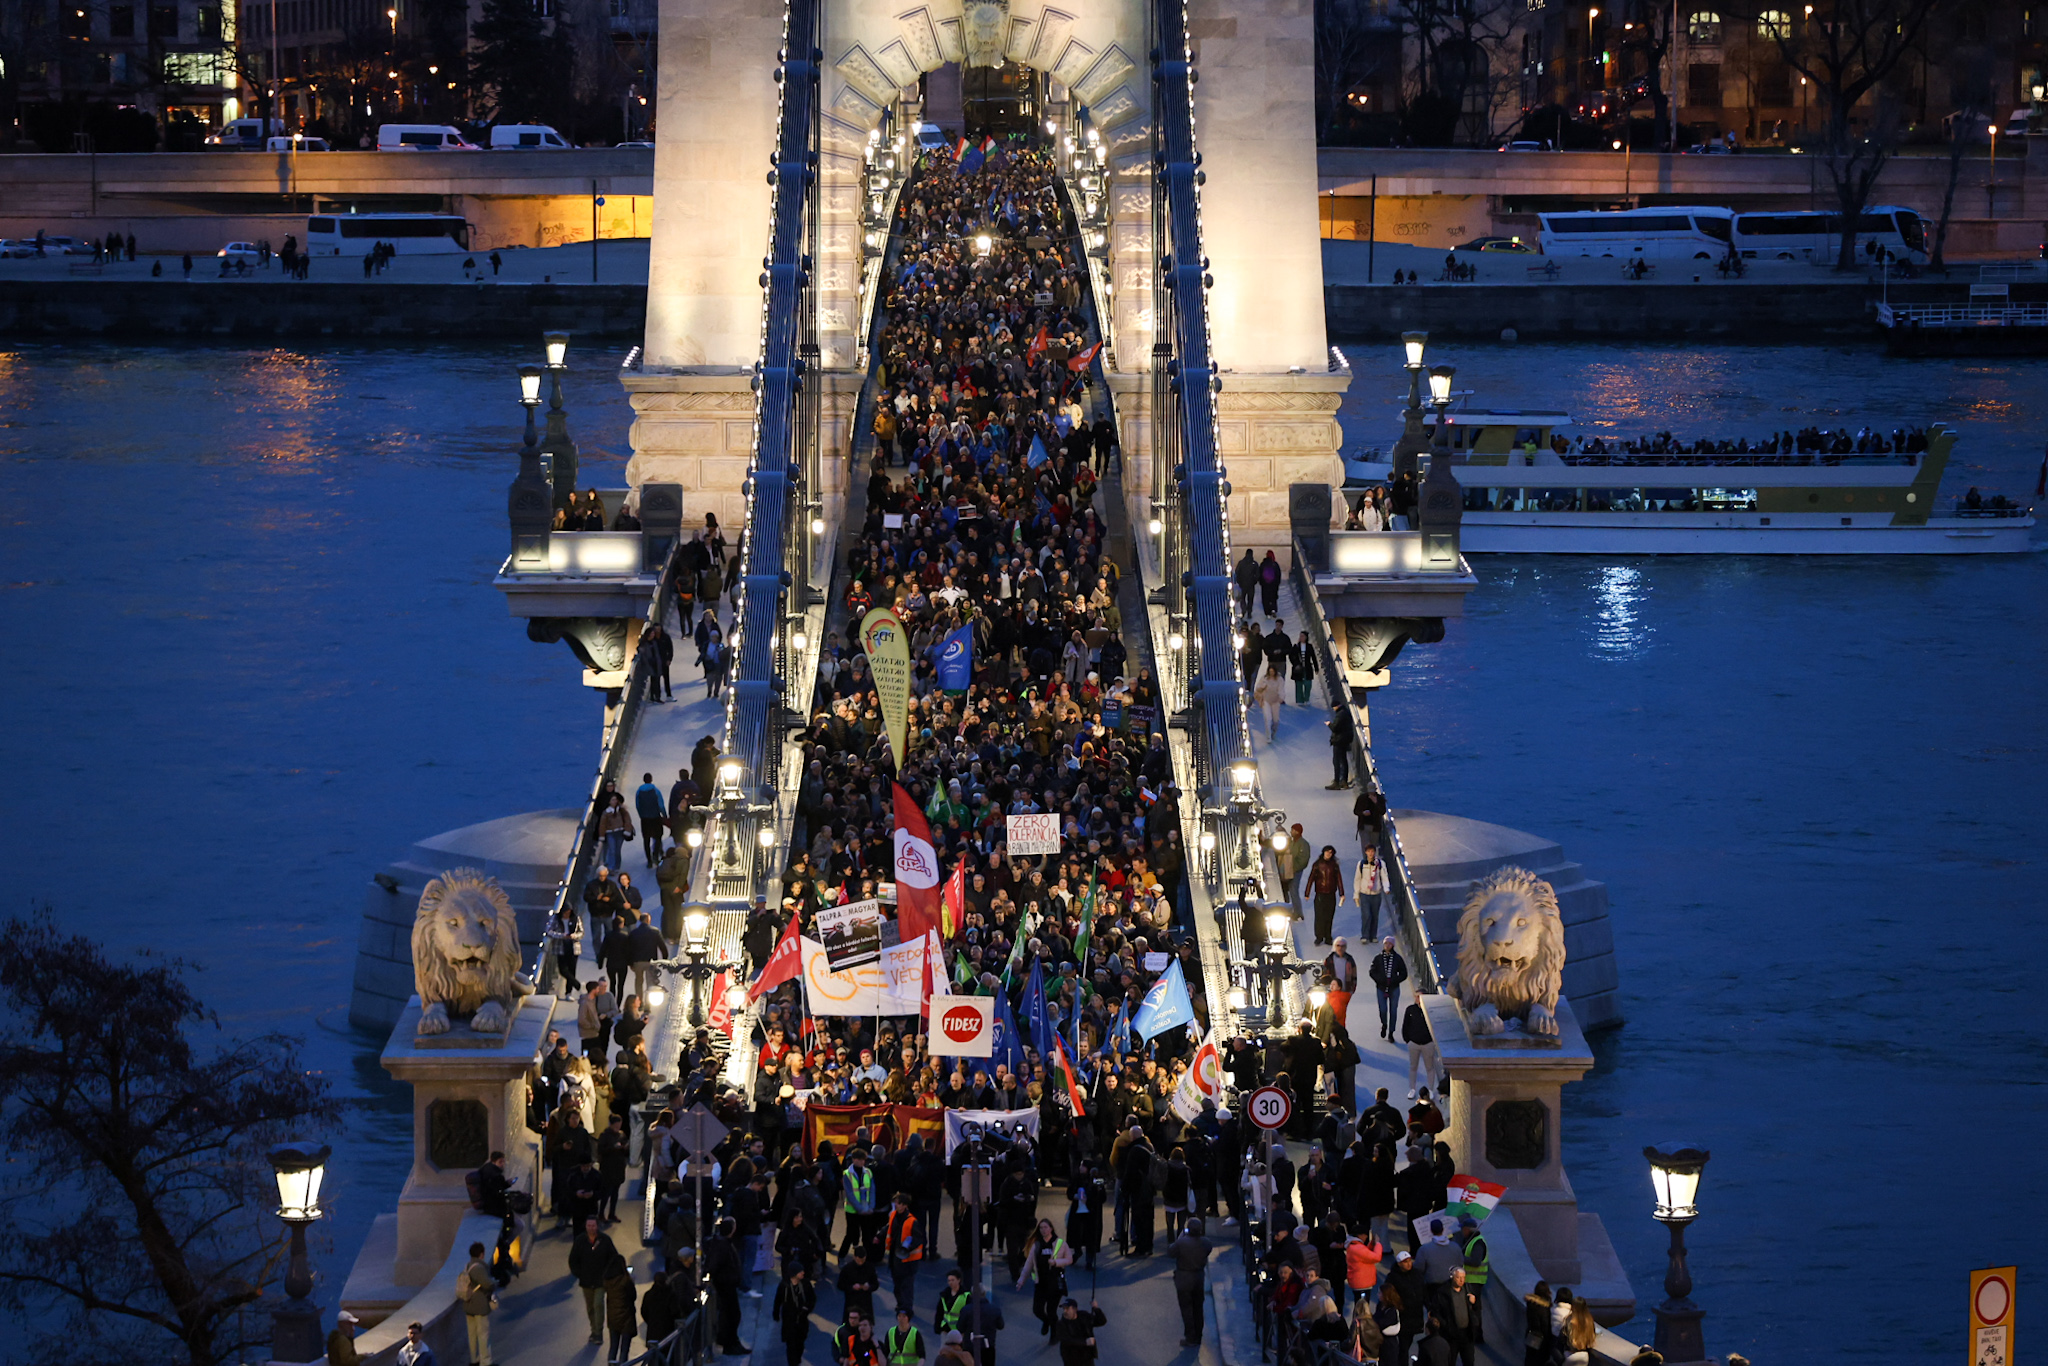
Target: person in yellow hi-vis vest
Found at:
1049, 1257
903, 1345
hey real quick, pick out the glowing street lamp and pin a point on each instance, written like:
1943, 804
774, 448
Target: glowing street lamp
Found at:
299, 1168
1675, 1170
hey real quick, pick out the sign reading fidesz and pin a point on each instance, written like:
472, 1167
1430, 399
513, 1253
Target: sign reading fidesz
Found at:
963, 1026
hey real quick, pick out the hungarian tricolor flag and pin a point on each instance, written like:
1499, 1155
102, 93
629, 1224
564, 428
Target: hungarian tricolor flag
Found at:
1471, 1198
917, 871
783, 965
1073, 1086
988, 144
1036, 348
960, 150
953, 904
1081, 360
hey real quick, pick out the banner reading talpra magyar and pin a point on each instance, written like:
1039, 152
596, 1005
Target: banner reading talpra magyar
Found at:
887, 643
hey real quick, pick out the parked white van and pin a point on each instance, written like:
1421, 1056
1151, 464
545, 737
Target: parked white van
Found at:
527, 135
421, 137
297, 142
245, 134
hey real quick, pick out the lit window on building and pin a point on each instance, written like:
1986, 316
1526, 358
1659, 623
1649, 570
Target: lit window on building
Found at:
1774, 24
1703, 27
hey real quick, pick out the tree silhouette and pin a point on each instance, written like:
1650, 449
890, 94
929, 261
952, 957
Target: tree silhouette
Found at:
141, 1206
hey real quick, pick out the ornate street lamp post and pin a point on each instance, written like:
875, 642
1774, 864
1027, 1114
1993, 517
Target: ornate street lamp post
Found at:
1414, 440
561, 451
295, 1330
1675, 1172
527, 503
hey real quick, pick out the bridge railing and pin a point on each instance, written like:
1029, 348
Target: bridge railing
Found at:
622, 722
1409, 925
776, 540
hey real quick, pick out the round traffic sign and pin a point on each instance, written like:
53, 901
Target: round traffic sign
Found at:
1269, 1107
1994, 1300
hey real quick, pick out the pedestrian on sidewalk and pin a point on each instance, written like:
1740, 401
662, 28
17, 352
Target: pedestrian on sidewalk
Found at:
477, 1292
1269, 585
1342, 971
1074, 1332
621, 1303
1304, 669
795, 1298
590, 1260
1191, 1279
1326, 888
1369, 887
653, 818
1246, 573
1388, 971
615, 827
1271, 695
1340, 746
1291, 860
1423, 1058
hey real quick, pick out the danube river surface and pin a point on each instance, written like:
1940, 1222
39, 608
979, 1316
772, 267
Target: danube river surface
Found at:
254, 653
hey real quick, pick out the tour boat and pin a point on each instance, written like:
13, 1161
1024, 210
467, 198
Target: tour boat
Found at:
1522, 496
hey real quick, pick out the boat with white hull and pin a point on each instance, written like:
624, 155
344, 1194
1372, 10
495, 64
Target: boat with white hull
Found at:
1537, 500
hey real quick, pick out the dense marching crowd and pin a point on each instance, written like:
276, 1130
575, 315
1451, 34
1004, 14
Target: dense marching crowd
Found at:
988, 523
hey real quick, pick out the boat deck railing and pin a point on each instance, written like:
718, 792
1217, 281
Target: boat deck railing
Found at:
1993, 512
1752, 459
1963, 315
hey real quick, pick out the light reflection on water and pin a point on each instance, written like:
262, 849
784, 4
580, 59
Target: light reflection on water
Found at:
1620, 633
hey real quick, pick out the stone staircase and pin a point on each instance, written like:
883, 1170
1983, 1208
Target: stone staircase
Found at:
1447, 854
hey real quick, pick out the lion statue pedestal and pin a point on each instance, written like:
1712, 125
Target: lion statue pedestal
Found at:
1510, 1042
465, 960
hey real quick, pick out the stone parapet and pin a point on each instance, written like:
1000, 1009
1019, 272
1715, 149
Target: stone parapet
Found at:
696, 429
1273, 431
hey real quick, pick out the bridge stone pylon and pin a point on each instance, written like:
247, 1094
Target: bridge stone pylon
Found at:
1256, 129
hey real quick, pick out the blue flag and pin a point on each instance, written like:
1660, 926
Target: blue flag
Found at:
1036, 1020
971, 163
1037, 455
1166, 1005
1120, 1031
1008, 1047
956, 660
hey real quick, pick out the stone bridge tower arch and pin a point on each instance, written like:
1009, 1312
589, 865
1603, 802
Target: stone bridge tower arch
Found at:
1254, 110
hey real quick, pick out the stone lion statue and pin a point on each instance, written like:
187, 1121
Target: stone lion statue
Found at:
1510, 954
465, 954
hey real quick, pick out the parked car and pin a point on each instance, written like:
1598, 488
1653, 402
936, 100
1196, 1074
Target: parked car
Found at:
16, 247
1525, 145
1512, 244
637, 144
62, 246
240, 253
298, 142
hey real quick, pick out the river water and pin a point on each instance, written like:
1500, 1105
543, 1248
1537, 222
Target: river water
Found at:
254, 652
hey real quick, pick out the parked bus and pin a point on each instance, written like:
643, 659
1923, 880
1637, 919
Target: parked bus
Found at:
1677, 232
413, 234
1818, 236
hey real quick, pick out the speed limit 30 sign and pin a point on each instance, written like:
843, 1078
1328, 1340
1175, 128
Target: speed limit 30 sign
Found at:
1269, 1107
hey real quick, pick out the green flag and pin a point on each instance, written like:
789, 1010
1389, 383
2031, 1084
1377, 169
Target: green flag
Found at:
1087, 924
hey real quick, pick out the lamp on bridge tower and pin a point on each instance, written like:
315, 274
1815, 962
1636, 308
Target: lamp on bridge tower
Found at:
527, 503
1414, 439
558, 450
1675, 1173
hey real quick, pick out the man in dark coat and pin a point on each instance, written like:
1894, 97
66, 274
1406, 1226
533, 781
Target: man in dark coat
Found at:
1406, 1281
1247, 577
1456, 1306
722, 1269
1389, 969
1190, 1279
590, 1256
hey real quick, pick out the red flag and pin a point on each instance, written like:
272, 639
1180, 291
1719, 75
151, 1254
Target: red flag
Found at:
786, 964
1036, 347
931, 981
720, 1018
917, 871
1073, 1087
1081, 359
953, 903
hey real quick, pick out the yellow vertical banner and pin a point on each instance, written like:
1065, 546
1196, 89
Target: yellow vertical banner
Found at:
887, 644
1993, 1292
